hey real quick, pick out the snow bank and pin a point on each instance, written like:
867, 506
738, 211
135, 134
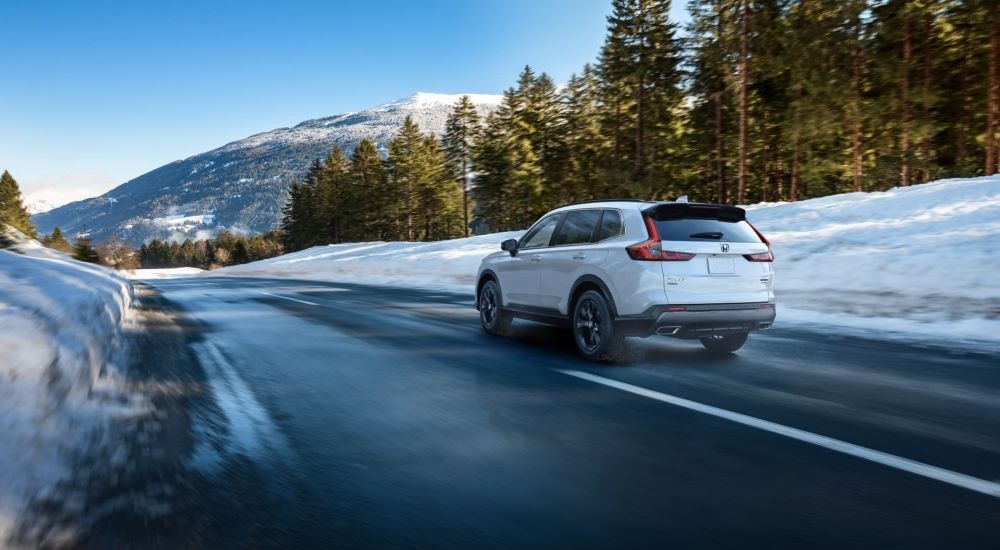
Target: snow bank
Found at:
164, 273
919, 259
441, 265
914, 260
60, 329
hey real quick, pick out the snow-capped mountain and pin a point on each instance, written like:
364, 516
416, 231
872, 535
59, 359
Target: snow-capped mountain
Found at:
37, 206
241, 186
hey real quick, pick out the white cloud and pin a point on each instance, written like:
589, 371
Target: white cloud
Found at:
50, 191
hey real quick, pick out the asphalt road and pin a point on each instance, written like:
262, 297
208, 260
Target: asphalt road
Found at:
340, 416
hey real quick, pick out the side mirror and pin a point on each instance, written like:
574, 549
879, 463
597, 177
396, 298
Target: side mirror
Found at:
510, 245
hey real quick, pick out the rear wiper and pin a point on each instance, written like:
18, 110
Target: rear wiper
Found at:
707, 235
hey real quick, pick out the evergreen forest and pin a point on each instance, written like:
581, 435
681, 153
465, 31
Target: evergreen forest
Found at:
754, 100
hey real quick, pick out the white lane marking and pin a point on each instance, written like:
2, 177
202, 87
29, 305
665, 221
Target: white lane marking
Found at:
318, 290
933, 472
287, 298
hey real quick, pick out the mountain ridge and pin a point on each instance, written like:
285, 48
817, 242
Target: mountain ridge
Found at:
241, 186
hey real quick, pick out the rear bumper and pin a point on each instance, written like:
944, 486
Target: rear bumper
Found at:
695, 321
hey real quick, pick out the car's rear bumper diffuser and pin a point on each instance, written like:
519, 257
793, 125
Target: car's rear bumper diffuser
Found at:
696, 321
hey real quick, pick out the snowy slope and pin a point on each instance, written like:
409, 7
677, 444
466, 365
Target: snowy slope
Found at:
920, 258
443, 265
915, 260
60, 333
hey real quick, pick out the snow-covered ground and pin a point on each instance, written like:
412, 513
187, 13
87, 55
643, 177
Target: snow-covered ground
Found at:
919, 260
61, 324
165, 273
915, 261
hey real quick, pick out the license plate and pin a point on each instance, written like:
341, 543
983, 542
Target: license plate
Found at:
721, 265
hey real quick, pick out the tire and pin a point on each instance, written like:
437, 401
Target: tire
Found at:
724, 345
491, 314
594, 329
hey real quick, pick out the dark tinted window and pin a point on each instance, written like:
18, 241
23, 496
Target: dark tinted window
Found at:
577, 227
611, 225
699, 229
539, 235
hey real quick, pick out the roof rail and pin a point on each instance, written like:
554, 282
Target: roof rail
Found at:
591, 201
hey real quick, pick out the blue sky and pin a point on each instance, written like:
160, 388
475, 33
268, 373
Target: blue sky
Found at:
96, 93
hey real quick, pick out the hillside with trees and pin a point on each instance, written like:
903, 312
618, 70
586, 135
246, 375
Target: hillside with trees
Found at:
756, 100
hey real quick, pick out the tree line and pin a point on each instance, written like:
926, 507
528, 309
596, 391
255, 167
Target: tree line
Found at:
410, 195
758, 100
224, 250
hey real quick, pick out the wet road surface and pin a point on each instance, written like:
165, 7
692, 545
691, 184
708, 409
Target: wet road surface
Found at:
335, 415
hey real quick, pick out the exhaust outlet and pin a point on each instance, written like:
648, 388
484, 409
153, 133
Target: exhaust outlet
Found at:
668, 331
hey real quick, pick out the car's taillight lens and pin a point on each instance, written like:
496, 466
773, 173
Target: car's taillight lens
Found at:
652, 250
760, 257
763, 239
763, 256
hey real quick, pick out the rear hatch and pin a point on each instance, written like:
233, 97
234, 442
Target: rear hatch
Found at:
710, 254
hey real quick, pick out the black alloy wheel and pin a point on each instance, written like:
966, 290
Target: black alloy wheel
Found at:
491, 314
594, 329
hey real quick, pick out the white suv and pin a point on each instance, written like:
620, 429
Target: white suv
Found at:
611, 269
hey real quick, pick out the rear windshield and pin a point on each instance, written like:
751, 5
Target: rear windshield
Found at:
700, 229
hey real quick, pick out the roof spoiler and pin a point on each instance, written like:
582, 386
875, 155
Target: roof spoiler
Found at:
676, 211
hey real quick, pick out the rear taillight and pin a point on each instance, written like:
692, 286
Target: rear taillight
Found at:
652, 250
763, 256
763, 239
760, 257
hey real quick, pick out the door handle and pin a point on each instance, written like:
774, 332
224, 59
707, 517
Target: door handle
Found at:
535, 259
579, 256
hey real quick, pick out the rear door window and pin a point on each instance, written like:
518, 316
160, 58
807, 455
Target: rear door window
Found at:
611, 225
577, 227
706, 230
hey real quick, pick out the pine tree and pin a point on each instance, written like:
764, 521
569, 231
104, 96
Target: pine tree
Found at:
991, 27
302, 224
407, 174
461, 130
710, 46
905, 45
639, 66
440, 202
744, 83
336, 207
83, 250
57, 241
582, 140
492, 161
547, 120
368, 180
12, 210
854, 12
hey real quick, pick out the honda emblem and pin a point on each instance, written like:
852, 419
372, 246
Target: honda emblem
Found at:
725, 248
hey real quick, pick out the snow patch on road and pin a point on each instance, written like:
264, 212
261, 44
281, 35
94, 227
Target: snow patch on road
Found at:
249, 430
